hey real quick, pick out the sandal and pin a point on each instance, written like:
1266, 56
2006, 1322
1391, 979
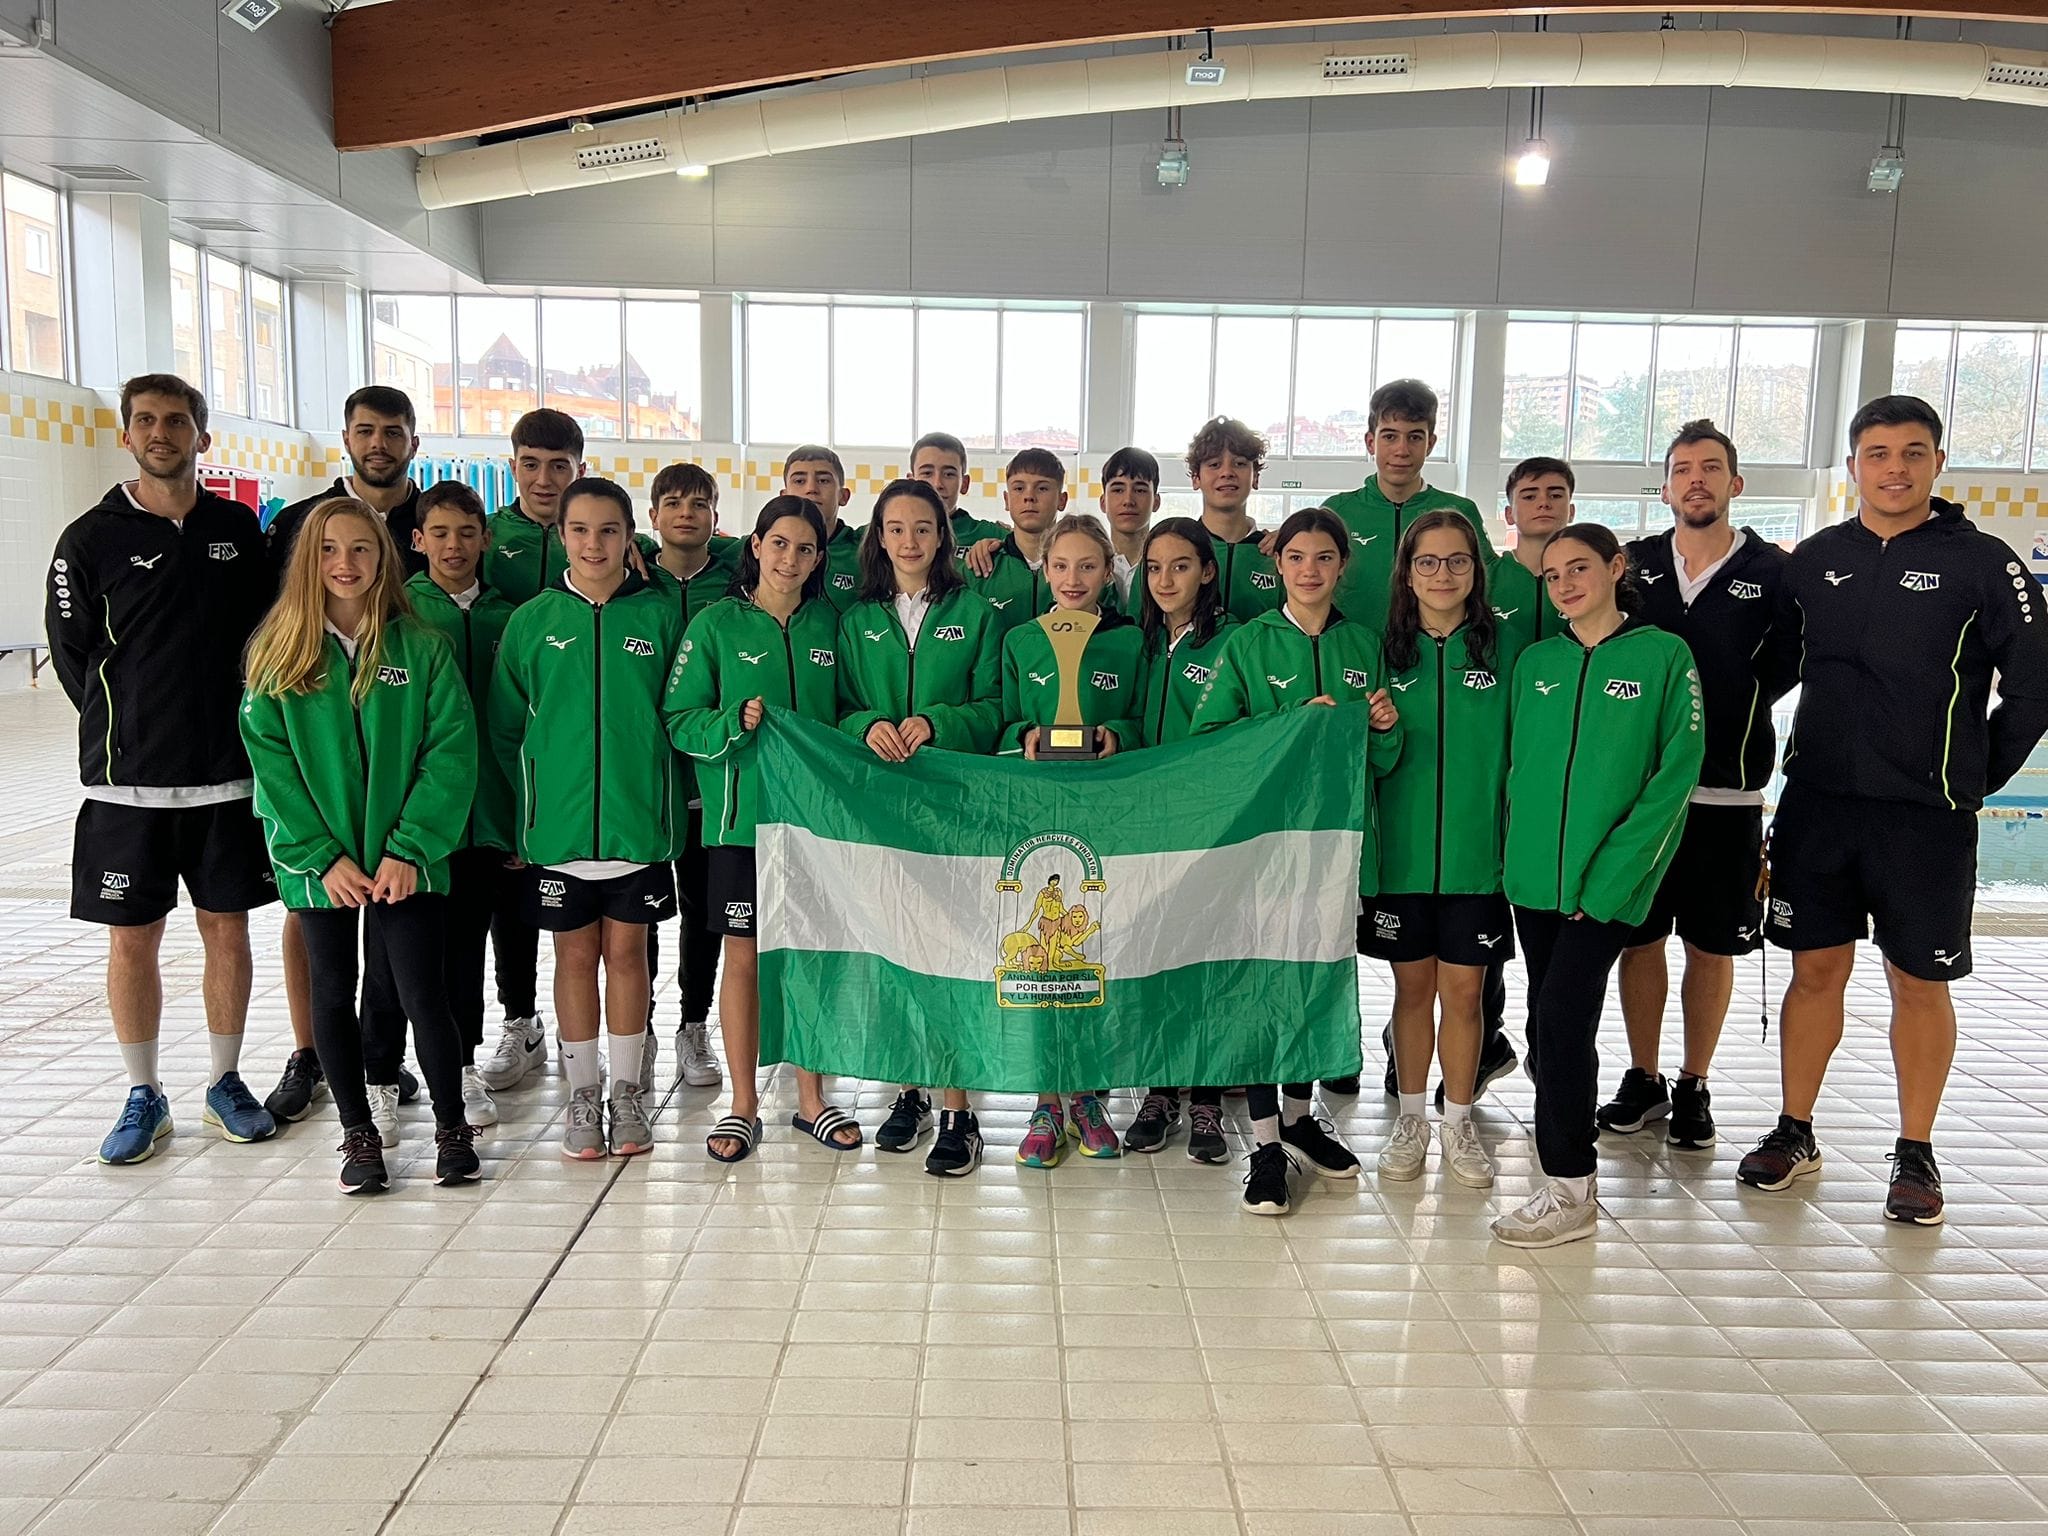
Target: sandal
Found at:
733, 1128
831, 1118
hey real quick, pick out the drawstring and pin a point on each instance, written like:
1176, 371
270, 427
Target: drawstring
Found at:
1763, 953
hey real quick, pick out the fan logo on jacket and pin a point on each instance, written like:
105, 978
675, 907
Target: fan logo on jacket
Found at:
1265, 581
1354, 678
1108, 682
842, 581
820, 657
1621, 688
1479, 679
222, 551
635, 646
393, 677
1197, 674
950, 632
1920, 581
1745, 589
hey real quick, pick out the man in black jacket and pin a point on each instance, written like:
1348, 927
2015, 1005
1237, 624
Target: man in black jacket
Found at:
152, 596
1893, 624
1713, 585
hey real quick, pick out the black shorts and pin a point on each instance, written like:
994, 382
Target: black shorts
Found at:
127, 860
561, 903
1709, 892
729, 892
1910, 869
1458, 930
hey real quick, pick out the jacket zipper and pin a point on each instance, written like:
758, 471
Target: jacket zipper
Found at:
1165, 687
789, 656
1564, 810
597, 735
468, 660
1442, 747
1315, 651
910, 681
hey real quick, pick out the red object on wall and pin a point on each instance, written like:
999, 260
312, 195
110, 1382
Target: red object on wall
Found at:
235, 484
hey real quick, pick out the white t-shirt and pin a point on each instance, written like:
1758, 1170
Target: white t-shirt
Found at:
910, 611
1689, 588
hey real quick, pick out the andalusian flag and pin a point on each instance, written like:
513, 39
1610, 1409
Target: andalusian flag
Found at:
1186, 914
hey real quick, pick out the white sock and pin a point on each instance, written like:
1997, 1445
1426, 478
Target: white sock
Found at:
583, 1061
1266, 1132
1454, 1112
1578, 1189
139, 1057
625, 1057
1412, 1104
1292, 1109
226, 1051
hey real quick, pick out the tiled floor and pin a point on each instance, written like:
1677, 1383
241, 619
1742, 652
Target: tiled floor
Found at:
216, 1341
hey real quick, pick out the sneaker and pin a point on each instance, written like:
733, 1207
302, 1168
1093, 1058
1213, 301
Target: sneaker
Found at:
1785, 1153
145, 1121
1310, 1142
362, 1161
1496, 1060
1157, 1119
522, 1046
1464, 1155
650, 1057
1265, 1180
909, 1118
1045, 1138
384, 1112
583, 1138
1391, 1083
455, 1159
1549, 1217
478, 1107
232, 1110
408, 1085
1916, 1186
1348, 1086
956, 1152
302, 1083
1093, 1128
700, 1067
1205, 1135
1692, 1115
1401, 1157
632, 1132
1641, 1098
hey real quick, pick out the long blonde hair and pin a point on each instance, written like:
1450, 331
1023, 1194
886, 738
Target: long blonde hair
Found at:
288, 652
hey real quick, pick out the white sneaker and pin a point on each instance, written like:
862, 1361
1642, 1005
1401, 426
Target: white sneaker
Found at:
522, 1047
384, 1112
477, 1107
1401, 1157
1550, 1217
700, 1067
650, 1057
1464, 1155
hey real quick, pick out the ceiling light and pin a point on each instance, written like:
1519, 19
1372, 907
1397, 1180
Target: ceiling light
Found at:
694, 172
1173, 163
251, 13
1888, 170
1532, 169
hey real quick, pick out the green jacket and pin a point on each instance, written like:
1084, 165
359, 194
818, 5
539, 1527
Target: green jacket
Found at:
526, 556
1246, 579
1107, 686
1376, 525
391, 778
1605, 752
1170, 683
706, 587
574, 717
1018, 590
1519, 601
842, 566
969, 529
1444, 805
954, 678
475, 633
735, 652
1270, 665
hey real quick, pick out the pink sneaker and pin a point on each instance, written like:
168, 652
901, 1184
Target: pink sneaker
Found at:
1092, 1128
1045, 1139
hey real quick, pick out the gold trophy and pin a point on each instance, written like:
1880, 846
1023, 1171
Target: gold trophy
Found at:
1067, 740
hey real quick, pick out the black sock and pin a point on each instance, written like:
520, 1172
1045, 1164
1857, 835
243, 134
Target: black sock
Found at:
1924, 1148
1692, 1077
1803, 1127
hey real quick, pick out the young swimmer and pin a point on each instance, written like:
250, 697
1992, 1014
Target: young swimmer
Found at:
1078, 558
1303, 652
363, 744
920, 665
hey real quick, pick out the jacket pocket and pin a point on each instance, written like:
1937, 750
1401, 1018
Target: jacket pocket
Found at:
530, 770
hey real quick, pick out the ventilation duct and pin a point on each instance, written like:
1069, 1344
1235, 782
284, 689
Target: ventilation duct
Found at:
753, 127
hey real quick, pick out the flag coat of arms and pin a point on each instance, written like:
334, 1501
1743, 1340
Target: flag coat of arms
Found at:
1184, 914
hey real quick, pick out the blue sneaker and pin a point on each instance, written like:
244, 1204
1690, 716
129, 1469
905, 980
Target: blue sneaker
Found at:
232, 1110
145, 1121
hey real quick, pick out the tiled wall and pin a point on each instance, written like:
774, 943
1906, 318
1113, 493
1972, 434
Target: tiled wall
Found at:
2012, 506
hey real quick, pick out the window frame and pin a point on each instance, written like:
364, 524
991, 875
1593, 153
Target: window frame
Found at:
287, 394
2033, 457
67, 297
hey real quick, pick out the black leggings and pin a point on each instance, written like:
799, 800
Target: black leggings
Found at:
697, 969
412, 935
1262, 1100
1213, 1097
515, 949
1569, 961
474, 875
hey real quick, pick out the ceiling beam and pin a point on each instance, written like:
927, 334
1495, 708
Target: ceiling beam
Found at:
428, 70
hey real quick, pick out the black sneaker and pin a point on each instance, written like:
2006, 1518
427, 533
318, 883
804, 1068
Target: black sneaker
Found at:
408, 1085
1205, 1135
302, 1083
1915, 1195
1496, 1060
1158, 1118
1392, 1082
909, 1119
1786, 1152
1265, 1181
1641, 1098
455, 1159
1309, 1139
362, 1161
1344, 1085
957, 1150
1692, 1117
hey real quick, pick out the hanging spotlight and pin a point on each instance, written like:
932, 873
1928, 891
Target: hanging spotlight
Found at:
1532, 167
693, 172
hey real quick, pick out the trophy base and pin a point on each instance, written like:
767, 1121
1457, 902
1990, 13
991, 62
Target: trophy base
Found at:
1069, 743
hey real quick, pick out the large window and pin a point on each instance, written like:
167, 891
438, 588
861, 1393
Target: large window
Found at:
497, 347
583, 345
32, 277
663, 386
269, 367
227, 371
1631, 517
188, 314
412, 347
231, 334
1988, 384
863, 373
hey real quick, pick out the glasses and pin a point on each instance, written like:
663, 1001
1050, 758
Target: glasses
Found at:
1429, 565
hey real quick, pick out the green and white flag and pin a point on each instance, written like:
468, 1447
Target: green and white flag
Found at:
1185, 914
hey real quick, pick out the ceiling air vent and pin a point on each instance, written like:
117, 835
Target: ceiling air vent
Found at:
1359, 66
222, 226
2032, 76
97, 173
635, 152
323, 274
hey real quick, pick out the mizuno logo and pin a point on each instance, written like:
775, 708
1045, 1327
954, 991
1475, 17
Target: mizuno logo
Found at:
1488, 939
876, 634
222, 551
950, 632
1043, 679
1621, 688
1920, 581
1282, 683
1478, 679
655, 901
1001, 602
1943, 957
1353, 678
562, 644
393, 677
1650, 578
753, 660
1835, 581
1108, 682
1746, 934
822, 658
1505, 613
635, 646
1403, 687
147, 565
1363, 539
1544, 688
1744, 589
